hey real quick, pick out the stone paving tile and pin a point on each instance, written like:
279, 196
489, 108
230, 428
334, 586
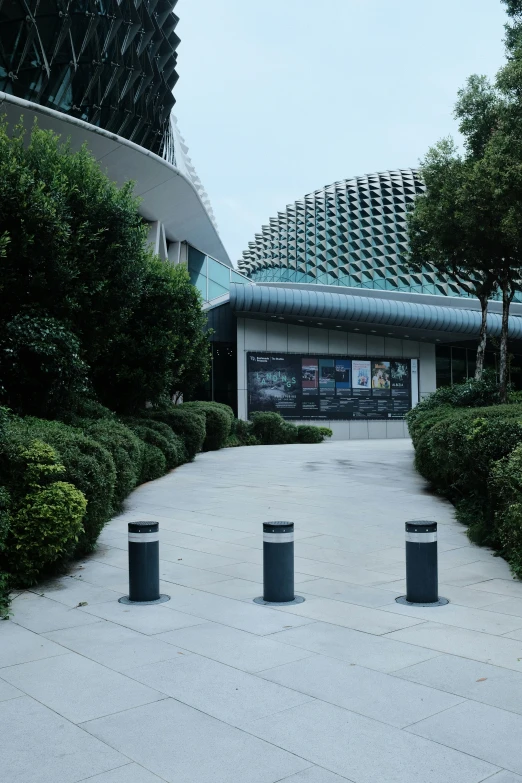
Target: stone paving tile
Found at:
469, 596
187, 576
315, 775
8, 691
130, 773
236, 648
461, 617
497, 650
361, 690
375, 652
145, 619
254, 571
470, 679
39, 746
511, 606
42, 614
114, 646
507, 587
249, 617
241, 589
360, 618
221, 691
174, 741
505, 777
77, 688
365, 749
100, 574
72, 592
18, 645
373, 597
482, 731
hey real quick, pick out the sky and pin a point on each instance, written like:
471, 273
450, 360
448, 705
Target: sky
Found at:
277, 98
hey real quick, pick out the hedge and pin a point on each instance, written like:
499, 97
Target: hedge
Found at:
219, 420
473, 456
188, 423
158, 434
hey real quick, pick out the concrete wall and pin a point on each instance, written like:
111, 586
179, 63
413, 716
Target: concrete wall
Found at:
256, 335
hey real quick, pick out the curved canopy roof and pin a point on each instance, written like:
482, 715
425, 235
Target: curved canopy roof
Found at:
395, 317
167, 195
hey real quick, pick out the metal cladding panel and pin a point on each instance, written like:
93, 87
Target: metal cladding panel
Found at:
111, 64
292, 302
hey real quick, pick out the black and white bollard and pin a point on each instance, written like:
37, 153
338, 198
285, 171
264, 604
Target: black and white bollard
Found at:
278, 564
422, 581
144, 587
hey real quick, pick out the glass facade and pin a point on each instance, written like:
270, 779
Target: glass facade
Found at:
454, 364
109, 63
211, 277
351, 233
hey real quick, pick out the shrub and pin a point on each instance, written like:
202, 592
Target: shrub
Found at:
154, 464
5, 587
44, 531
218, 423
158, 434
88, 466
326, 431
270, 428
4, 530
188, 423
242, 434
125, 448
309, 434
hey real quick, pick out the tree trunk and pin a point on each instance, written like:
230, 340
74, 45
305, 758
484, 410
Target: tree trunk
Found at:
506, 301
481, 348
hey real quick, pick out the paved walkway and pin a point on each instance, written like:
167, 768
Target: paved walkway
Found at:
212, 688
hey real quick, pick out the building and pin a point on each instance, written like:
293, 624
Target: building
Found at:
333, 327
103, 74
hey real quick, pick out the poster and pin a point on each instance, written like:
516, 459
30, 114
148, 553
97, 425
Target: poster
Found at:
274, 383
381, 379
361, 377
343, 377
331, 388
326, 377
401, 378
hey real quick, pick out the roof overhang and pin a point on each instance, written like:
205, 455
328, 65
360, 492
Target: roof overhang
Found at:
166, 194
391, 317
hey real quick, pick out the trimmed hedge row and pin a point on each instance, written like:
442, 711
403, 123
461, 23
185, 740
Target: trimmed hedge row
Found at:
61, 481
473, 456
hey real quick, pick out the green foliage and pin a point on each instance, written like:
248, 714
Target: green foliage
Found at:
307, 433
4, 517
270, 428
88, 466
5, 587
188, 423
325, 431
242, 434
219, 420
473, 456
80, 291
158, 434
40, 366
153, 464
44, 531
125, 448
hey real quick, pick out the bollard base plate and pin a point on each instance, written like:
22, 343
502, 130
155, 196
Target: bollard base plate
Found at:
161, 600
297, 600
440, 602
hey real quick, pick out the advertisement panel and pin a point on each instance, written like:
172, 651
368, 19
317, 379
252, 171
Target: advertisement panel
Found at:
330, 387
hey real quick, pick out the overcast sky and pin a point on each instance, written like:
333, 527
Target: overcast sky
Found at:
277, 98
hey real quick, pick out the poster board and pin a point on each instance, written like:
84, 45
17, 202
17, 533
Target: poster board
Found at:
300, 386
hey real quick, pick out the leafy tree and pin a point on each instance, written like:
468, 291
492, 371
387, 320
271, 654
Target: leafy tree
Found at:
82, 299
449, 230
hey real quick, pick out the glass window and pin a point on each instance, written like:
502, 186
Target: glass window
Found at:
443, 365
459, 371
215, 290
219, 273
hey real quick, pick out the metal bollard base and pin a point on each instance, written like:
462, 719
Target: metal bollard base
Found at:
297, 600
161, 600
402, 600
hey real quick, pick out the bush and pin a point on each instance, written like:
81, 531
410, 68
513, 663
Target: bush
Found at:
154, 464
88, 466
473, 456
326, 431
44, 531
309, 434
158, 434
4, 530
270, 428
218, 422
242, 434
126, 450
188, 423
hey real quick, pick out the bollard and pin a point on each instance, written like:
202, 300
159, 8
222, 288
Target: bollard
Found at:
144, 565
422, 585
278, 564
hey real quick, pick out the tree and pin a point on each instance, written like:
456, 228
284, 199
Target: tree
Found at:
449, 231
83, 301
